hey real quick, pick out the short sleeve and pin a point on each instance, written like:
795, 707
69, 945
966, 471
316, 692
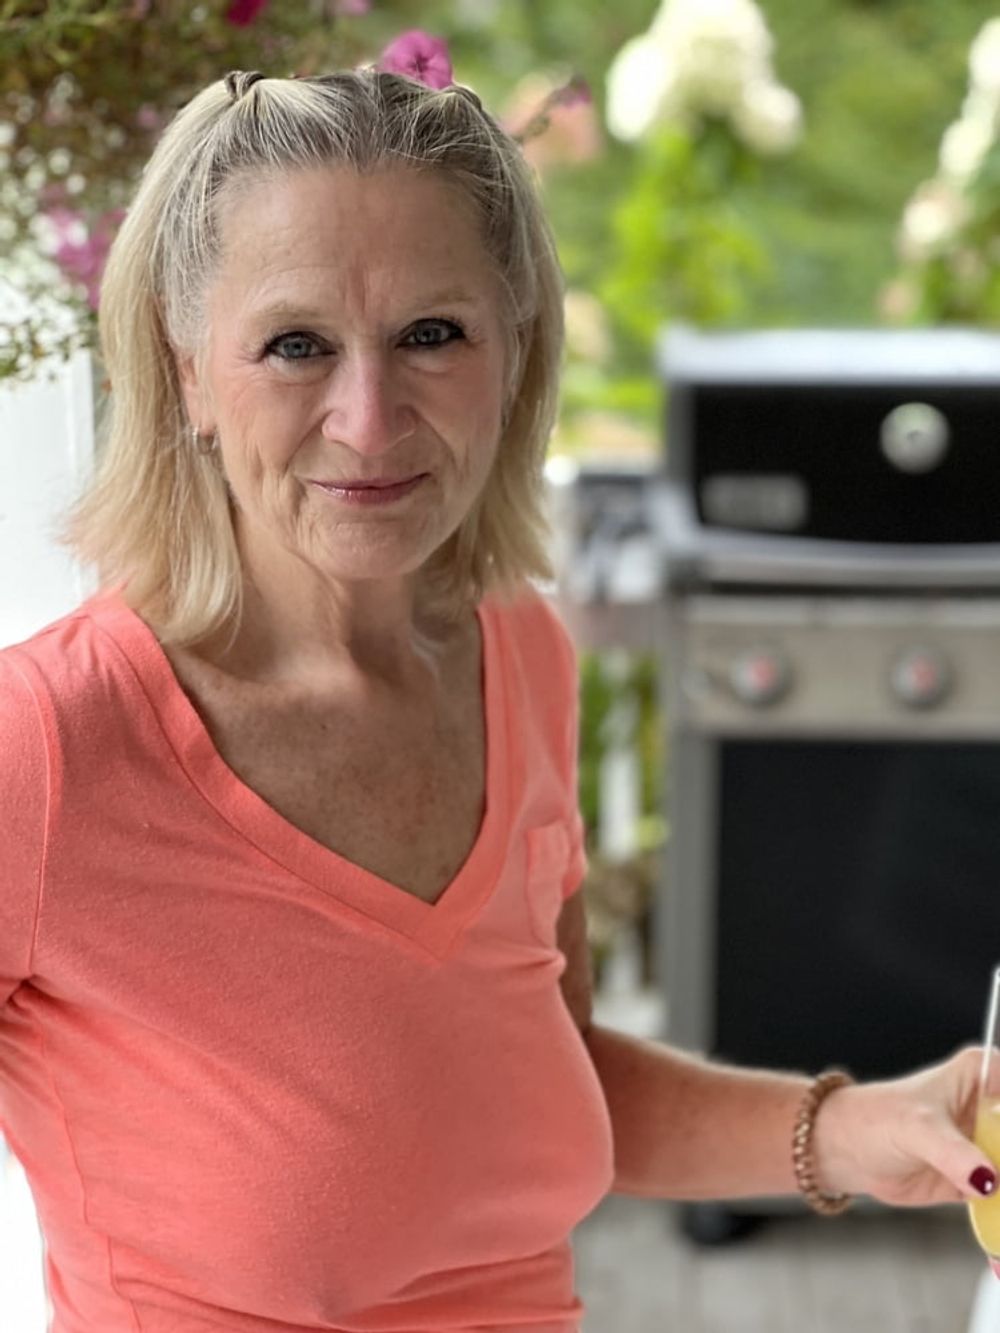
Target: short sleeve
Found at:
576, 868
23, 800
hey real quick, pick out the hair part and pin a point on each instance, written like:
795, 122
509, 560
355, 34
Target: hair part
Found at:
156, 515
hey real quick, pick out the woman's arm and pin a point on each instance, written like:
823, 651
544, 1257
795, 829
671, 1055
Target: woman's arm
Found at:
685, 1128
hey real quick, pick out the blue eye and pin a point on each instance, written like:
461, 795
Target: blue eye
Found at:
435, 333
294, 347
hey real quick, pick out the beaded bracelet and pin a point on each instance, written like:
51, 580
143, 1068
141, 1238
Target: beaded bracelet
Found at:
829, 1205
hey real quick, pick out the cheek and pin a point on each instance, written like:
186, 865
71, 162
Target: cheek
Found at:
263, 424
479, 403
478, 441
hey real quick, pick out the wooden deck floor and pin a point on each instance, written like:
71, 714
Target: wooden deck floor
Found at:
876, 1272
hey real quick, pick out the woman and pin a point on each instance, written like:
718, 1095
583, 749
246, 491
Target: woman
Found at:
296, 1008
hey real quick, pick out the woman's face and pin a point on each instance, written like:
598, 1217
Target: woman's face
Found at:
353, 370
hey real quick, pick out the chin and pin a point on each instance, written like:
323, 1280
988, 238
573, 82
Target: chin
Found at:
360, 566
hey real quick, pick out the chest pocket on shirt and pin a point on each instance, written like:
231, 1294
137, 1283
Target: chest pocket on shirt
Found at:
548, 863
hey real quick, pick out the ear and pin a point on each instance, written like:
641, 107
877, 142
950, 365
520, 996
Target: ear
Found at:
191, 379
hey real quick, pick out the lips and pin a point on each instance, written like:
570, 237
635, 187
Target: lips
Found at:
378, 484
378, 491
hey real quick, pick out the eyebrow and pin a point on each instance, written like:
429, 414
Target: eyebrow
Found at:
291, 310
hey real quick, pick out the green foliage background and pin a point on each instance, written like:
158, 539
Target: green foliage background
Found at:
880, 80
803, 239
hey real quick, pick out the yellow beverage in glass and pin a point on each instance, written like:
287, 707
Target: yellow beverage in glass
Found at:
985, 1213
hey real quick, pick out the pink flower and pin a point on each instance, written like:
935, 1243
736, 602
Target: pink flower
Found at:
419, 56
67, 224
81, 251
351, 8
242, 12
147, 117
574, 93
553, 124
52, 196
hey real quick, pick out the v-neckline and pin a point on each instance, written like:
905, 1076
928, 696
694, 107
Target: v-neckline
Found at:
434, 925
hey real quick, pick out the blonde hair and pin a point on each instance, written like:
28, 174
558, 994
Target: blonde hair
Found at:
156, 515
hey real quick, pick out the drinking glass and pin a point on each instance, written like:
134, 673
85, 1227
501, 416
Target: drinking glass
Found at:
985, 1213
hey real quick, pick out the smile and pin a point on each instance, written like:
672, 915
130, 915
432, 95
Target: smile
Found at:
370, 492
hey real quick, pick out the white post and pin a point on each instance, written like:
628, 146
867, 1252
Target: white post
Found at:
46, 447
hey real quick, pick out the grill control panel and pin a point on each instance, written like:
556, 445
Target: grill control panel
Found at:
826, 666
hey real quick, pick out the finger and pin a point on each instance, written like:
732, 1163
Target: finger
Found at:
967, 1168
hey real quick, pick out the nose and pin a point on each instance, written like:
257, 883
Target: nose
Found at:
367, 408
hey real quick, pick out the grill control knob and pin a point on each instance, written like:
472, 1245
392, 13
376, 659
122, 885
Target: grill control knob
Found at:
760, 676
920, 677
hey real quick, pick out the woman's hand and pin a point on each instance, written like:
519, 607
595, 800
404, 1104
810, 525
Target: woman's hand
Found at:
906, 1141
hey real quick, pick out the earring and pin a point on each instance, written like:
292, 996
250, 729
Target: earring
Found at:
202, 444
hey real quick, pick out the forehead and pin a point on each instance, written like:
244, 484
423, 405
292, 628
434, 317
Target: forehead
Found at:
395, 230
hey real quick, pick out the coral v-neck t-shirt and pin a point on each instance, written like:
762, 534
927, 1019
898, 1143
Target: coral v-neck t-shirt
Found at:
254, 1087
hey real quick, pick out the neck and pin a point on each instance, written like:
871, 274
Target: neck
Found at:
301, 627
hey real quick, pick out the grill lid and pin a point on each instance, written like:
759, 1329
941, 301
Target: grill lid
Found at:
850, 456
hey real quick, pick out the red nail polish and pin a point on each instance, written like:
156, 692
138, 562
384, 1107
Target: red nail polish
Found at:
983, 1180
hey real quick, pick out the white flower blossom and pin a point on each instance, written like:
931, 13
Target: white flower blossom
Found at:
737, 25
49, 231
640, 82
718, 46
768, 118
982, 105
703, 57
984, 59
933, 217
964, 146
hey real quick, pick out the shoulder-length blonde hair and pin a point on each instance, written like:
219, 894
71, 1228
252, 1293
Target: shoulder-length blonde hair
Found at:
156, 515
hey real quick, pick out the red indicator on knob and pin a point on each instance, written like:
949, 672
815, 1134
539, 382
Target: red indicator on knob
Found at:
920, 677
760, 676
